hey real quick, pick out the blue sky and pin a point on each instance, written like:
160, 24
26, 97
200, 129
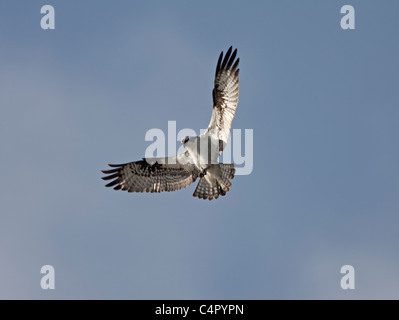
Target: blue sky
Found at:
324, 192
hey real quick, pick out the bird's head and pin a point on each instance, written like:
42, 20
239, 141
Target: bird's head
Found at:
183, 141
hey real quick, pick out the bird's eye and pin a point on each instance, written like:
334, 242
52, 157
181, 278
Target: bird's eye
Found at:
186, 139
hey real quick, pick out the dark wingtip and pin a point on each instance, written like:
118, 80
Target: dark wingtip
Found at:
112, 176
111, 184
231, 60
227, 61
110, 171
226, 57
235, 65
219, 63
116, 165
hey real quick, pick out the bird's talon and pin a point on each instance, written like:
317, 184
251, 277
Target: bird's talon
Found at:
203, 173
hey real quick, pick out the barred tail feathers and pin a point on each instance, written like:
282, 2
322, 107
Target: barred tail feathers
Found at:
215, 182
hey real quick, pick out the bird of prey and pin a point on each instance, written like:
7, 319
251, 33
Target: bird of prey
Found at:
199, 160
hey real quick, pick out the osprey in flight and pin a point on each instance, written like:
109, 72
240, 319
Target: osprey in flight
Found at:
200, 158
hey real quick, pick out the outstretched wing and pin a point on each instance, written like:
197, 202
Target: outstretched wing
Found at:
151, 175
225, 95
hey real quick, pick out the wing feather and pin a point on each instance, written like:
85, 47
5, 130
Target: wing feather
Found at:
151, 175
225, 95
